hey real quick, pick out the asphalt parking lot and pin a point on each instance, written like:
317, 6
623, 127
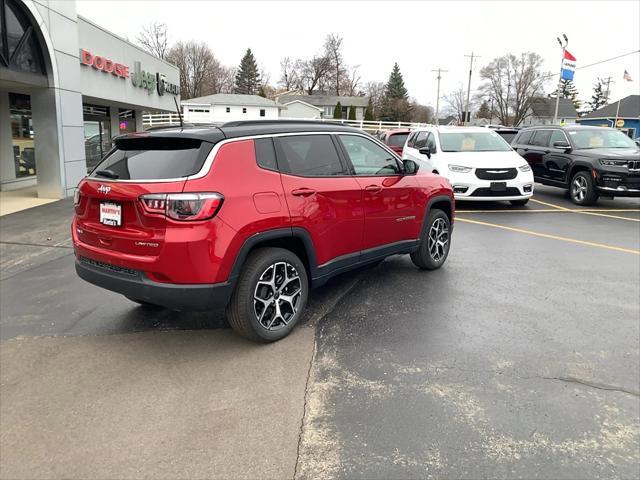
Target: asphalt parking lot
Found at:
520, 358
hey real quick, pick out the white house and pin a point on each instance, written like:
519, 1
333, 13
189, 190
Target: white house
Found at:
225, 107
301, 109
542, 109
327, 103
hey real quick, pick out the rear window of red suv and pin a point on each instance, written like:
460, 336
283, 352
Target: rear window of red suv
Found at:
398, 139
153, 159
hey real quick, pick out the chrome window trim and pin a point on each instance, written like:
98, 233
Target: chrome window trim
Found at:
206, 166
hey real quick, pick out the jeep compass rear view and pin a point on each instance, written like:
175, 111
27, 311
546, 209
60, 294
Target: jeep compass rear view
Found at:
251, 215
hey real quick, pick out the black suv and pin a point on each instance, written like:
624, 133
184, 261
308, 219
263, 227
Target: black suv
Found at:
589, 161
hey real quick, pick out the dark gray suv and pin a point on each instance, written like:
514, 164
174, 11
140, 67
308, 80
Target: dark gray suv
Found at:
588, 161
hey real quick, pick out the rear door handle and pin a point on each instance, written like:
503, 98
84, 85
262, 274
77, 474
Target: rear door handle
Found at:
373, 188
303, 192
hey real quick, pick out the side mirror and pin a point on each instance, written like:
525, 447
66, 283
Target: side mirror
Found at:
562, 145
410, 167
425, 151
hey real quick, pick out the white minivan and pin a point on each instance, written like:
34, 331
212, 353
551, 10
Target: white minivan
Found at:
478, 163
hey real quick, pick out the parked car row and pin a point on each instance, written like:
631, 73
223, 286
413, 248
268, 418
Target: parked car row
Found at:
503, 163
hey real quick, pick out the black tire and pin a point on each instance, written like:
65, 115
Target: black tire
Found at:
519, 203
425, 259
582, 189
243, 310
142, 303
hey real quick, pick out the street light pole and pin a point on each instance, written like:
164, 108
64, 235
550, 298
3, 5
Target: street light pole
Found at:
564, 47
440, 71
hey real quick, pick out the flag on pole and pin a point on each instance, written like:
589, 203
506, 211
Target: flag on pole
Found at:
627, 77
568, 66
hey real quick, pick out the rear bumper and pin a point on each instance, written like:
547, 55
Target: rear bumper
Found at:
135, 284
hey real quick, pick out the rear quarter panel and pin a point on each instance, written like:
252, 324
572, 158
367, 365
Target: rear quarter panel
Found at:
253, 199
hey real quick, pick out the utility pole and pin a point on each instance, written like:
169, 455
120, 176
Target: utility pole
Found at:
466, 108
564, 48
608, 80
440, 71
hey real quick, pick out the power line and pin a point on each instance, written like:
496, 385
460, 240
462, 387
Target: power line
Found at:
596, 63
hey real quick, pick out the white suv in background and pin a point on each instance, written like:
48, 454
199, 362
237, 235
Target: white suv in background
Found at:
478, 163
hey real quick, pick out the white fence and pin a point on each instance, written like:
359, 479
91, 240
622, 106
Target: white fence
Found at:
160, 119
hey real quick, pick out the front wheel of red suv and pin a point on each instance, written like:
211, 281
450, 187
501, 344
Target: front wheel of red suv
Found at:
434, 246
270, 295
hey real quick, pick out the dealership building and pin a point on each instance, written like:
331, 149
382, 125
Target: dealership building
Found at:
67, 87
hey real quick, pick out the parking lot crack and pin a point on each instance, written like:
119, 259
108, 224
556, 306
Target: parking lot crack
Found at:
305, 409
597, 385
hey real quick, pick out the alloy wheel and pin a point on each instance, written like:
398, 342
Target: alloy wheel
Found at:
579, 188
277, 296
438, 239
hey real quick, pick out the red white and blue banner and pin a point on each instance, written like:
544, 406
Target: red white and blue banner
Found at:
568, 66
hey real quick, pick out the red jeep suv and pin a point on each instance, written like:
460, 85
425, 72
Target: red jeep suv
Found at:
251, 215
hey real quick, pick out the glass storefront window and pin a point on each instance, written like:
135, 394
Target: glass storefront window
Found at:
22, 135
97, 134
127, 120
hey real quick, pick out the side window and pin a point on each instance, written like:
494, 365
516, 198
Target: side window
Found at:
557, 136
541, 138
524, 138
368, 158
431, 143
421, 140
309, 156
411, 139
262, 112
265, 154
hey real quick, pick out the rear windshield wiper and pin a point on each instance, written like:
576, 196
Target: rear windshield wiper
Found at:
107, 173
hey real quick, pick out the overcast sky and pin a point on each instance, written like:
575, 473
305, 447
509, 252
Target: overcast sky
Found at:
420, 36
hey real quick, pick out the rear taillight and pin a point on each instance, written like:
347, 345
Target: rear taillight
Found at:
76, 200
183, 206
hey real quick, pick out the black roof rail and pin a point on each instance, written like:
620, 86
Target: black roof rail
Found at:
249, 123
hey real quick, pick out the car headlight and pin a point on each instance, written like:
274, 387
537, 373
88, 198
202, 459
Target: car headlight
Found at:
459, 169
612, 163
525, 168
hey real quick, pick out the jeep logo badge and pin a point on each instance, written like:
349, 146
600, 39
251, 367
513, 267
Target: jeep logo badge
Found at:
104, 189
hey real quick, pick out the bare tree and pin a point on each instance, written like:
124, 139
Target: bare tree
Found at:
154, 40
333, 51
220, 79
455, 103
351, 81
420, 113
375, 91
314, 73
290, 72
196, 63
512, 83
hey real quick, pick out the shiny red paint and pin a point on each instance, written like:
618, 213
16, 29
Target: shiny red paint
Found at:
387, 136
343, 215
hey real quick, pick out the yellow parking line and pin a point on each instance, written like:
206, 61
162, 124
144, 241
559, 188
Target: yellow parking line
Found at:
552, 237
549, 210
565, 209
550, 204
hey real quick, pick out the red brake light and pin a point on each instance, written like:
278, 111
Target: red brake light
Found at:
183, 206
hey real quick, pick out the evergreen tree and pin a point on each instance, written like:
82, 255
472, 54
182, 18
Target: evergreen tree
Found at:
396, 98
599, 97
568, 90
352, 112
248, 76
262, 92
484, 111
337, 112
368, 113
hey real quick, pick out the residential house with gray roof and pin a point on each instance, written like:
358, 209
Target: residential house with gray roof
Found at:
327, 103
